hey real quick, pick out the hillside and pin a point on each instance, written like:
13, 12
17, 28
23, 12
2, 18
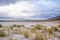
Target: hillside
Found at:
55, 18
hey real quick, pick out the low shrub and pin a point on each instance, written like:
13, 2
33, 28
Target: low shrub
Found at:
1, 25
18, 25
14, 25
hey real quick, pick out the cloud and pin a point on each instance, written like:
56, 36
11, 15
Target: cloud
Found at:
45, 10
30, 9
16, 10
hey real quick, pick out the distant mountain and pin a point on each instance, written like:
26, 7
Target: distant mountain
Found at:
55, 18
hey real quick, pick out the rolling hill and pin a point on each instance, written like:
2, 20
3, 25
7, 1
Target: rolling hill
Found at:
55, 18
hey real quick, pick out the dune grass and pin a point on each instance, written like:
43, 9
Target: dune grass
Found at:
27, 34
38, 36
37, 26
55, 28
2, 33
24, 32
58, 29
34, 29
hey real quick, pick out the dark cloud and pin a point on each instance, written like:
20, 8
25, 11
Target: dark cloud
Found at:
46, 15
7, 2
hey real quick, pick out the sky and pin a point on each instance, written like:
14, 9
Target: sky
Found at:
29, 9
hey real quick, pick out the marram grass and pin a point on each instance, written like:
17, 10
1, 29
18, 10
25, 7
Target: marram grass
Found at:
2, 33
24, 32
39, 36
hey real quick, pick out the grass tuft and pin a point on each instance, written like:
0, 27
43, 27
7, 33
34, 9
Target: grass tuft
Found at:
2, 33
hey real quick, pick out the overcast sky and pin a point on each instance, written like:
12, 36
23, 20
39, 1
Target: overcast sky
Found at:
29, 9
